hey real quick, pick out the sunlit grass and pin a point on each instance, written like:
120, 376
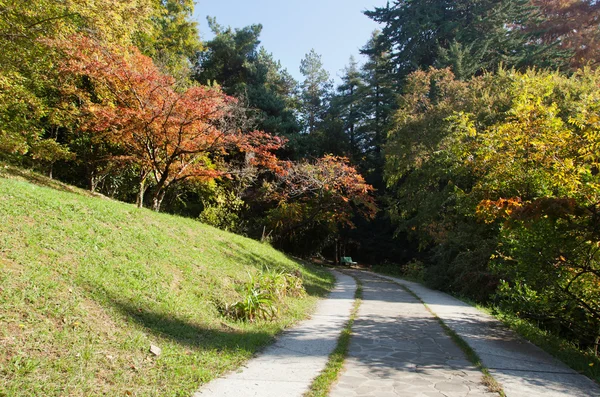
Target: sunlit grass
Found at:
87, 284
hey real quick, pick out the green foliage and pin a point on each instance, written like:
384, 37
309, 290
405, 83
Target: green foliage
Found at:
348, 100
471, 36
496, 177
582, 360
256, 304
414, 270
29, 107
173, 39
262, 296
315, 87
224, 211
378, 103
234, 60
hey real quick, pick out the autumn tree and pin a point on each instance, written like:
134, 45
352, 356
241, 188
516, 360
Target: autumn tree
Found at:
170, 135
29, 122
314, 199
497, 178
571, 25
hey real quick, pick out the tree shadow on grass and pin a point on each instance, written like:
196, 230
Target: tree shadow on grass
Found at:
193, 335
41, 180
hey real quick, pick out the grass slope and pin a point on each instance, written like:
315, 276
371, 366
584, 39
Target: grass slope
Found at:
87, 284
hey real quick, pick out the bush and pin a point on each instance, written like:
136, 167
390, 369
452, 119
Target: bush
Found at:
414, 269
224, 212
263, 296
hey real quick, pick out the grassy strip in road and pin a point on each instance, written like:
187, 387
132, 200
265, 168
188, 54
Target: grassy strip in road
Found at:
583, 361
322, 383
487, 378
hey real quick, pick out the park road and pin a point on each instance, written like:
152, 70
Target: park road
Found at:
398, 349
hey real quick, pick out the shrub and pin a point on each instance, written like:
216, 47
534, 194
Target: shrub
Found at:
263, 296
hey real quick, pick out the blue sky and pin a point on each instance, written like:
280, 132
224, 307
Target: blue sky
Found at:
336, 29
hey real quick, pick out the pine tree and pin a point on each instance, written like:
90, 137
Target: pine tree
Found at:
469, 35
314, 90
229, 58
234, 60
349, 99
378, 104
271, 91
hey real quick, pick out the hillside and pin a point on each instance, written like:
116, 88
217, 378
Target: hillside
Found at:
88, 284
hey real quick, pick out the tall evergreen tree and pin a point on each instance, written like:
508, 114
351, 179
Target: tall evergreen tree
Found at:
229, 57
379, 103
349, 99
272, 90
235, 60
315, 88
470, 35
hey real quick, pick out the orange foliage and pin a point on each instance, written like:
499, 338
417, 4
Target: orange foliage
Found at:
489, 210
574, 25
328, 190
513, 209
169, 132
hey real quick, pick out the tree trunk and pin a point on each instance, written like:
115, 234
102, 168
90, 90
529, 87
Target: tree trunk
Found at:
140, 197
158, 199
93, 182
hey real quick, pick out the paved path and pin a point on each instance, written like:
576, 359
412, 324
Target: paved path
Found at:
523, 369
287, 368
399, 349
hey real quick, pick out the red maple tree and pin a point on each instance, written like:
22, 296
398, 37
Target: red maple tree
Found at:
169, 132
573, 25
328, 191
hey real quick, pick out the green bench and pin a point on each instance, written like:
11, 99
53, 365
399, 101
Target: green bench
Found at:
346, 260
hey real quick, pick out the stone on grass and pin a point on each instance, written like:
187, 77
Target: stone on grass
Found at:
155, 350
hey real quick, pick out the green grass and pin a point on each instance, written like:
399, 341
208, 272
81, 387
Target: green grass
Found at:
322, 384
87, 284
